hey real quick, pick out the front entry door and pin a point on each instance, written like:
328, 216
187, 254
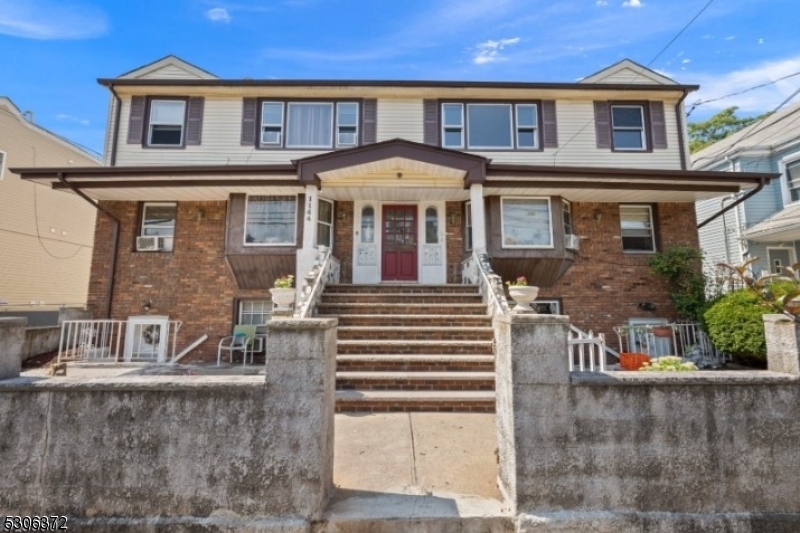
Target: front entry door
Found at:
399, 243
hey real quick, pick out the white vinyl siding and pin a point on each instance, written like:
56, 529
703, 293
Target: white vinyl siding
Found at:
169, 72
2, 163
397, 118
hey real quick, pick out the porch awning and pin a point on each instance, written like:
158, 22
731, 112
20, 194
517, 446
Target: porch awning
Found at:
783, 226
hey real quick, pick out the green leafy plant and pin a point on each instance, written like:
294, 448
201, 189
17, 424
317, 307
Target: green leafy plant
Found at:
680, 266
284, 282
735, 324
779, 293
668, 363
521, 281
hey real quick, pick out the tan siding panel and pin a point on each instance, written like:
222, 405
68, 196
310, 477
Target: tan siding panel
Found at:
628, 76
170, 72
400, 119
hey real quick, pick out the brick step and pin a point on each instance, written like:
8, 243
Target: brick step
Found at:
402, 288
371, 347
400, 298
439, 381
414, 363
400, 309
462, 321
414, 401
415, 333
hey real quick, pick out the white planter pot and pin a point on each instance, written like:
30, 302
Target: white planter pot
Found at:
283, 298
523, 295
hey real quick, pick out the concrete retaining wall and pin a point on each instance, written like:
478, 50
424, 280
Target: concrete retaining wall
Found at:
634, 451
194, 451
40, 340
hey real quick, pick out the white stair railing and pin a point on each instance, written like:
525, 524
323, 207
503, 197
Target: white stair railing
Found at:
101, 340
326, 270
476, 270
587, 351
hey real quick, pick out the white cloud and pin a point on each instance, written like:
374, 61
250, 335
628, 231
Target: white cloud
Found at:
489, 51
686, 61
602, 2
218, 14
632, 3
69, 118
730, 37
49, 20
715, 85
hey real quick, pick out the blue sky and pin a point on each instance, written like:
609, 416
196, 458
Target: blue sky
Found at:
54, 50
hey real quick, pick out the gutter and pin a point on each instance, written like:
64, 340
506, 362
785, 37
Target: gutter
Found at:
112, 266
681, 130
115, 135
724, 210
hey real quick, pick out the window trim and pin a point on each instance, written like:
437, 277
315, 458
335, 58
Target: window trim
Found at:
535, 127
566, 211
436, 220
280, 126
538, 128
653, 239
786, 190
148, 122
375, 217
320, 221
285, 126
240, 311
338, 125
270, 244
143, 217
3, 159
462, 125
647, 142
512, 110
526, 246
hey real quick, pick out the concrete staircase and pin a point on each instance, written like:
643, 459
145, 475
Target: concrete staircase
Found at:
411, 348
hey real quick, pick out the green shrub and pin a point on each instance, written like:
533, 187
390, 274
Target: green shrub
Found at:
668, 363
736, 326
680, 266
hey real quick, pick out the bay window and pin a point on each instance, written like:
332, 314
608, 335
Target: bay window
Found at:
271, 220
526, 223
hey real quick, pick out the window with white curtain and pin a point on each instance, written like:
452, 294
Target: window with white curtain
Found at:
271, 220
526, 223
309, 125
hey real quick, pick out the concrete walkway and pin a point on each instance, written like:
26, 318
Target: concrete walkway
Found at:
437, 467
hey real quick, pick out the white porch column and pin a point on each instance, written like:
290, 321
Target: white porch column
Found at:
307, 254
478, 218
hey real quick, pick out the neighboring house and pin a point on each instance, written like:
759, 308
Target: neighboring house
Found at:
45, 235
766, 224
573, 185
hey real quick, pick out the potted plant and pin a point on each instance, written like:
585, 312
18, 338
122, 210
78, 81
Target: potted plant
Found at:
283, 294
522, 294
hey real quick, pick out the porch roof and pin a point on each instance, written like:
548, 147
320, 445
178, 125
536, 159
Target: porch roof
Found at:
783, 226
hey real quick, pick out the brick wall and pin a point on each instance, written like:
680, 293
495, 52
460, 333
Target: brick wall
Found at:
192, 284
604, 286
343, 240
454, 240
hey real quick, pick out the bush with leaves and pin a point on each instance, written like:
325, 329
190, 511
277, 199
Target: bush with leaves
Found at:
735, 324
680, 266
668, 363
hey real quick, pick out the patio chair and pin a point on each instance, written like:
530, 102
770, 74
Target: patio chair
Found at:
242, 340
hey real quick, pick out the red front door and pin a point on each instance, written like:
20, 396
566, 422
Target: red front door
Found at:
399, 243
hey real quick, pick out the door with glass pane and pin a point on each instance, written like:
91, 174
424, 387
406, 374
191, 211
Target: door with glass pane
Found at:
399, 243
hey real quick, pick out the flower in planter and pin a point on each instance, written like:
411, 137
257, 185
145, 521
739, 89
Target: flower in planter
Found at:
521, 281
284, 282
668, 363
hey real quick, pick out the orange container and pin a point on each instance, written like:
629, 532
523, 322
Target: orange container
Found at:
632, 361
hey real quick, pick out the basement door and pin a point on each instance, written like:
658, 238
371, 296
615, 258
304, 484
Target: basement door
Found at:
399, 250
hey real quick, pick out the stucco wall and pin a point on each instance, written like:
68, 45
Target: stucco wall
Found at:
708, 450
179, 448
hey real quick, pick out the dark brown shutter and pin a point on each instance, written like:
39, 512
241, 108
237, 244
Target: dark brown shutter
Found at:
369, 131
249, 112
136, 120
194, 120
658, 125
602, 125
549, 128
431, 119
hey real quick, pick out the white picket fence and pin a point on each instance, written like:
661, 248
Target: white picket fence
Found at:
587, 351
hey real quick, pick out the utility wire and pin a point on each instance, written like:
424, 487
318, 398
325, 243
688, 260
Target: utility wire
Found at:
703, 102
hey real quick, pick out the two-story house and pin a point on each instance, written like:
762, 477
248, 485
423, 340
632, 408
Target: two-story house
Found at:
572, 185
765, 225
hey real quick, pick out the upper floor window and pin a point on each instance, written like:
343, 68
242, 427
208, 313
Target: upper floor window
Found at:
271, 220
490, 126
309, 124
636, 223
628, 127
166, 125
793, 180
526, 223
158, 220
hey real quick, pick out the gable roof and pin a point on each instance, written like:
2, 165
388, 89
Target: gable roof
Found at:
627, 71
775, 133
169, 67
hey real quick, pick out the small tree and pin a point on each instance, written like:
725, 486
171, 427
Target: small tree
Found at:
716, 128
680, 266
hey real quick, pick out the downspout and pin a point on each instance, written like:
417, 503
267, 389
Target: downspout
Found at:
681, 139
112, 266
750, 194
725, 229
115, 136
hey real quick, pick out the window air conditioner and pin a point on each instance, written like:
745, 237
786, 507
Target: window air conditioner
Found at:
149, 244
572, 242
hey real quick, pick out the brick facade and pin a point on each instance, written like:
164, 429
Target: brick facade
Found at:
605, 286
193, 283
